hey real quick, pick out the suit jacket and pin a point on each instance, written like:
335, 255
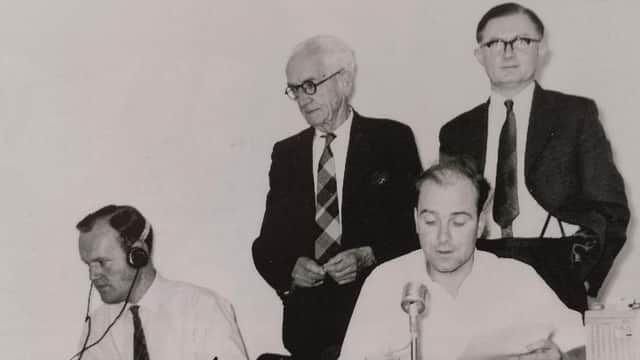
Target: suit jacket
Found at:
377, 210
569, 169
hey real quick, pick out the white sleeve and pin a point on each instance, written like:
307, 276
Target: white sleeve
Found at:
365, 335
569, 331
222, 338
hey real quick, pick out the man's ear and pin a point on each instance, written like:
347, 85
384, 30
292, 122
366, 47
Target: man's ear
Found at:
483, 216
544, 53
482, 223
543, 47
415, 217
346, 82
477, 52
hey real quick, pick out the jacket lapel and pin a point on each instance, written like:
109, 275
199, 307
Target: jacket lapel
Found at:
304, 161
542, 121
480, 134
358, 153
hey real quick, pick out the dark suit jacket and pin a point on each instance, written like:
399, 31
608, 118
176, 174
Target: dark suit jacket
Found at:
377, 210
569, 168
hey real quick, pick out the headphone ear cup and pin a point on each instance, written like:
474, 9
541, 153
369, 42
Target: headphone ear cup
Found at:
137, 257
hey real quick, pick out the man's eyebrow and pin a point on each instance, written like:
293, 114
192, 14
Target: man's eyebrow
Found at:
312, 79
461, 212
99, 258
455, 213
509, 38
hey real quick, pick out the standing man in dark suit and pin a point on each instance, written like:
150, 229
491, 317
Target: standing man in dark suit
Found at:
549, 158
339, 203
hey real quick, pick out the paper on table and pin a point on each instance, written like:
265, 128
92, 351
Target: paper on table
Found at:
506, 341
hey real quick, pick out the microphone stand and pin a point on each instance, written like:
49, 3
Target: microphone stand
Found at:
413, 330
414, 301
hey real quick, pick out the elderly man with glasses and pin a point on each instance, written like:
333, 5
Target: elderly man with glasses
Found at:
559, 201
339, 203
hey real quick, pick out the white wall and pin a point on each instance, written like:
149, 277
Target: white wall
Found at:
173, 106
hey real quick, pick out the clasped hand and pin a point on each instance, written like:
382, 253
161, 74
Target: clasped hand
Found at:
343, 268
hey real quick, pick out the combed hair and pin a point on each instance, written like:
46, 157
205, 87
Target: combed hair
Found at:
507, 9
462, 166
124, 219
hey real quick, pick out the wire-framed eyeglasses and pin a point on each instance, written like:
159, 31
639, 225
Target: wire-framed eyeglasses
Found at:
307, 86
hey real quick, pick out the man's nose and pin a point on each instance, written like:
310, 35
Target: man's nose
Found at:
508, 50
443, 234
303, 98
94, 272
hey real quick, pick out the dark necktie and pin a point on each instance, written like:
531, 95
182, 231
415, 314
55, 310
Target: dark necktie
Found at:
139, 342
327, 208
505, 202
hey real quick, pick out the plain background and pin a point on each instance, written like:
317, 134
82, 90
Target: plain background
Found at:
173, 107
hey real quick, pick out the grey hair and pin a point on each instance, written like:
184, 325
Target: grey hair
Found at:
334, 52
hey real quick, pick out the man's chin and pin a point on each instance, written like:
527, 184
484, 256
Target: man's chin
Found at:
110, 299
445, 267
315, 120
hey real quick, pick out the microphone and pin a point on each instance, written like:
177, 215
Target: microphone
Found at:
415, 298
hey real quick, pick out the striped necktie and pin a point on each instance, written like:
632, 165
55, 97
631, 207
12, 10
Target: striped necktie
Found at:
327, 208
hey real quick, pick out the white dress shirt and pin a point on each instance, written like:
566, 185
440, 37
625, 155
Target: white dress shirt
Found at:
339, 147
499, 295
530, 221
179, 320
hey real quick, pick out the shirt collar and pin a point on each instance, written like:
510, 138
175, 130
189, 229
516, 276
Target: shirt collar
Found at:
421, 268
153, 298
523, 97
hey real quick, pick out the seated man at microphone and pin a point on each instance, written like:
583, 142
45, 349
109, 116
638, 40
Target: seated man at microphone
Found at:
475, 305
145, 316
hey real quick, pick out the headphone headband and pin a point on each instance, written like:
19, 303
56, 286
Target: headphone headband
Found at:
145, 232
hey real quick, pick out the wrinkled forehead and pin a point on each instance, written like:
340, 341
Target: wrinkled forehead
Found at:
509, 26
306, 64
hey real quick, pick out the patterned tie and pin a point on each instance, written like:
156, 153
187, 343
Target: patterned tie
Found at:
327, 210
505, 203
139, 342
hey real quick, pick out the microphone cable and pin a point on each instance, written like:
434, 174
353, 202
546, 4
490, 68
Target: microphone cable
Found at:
80, 353
87, 319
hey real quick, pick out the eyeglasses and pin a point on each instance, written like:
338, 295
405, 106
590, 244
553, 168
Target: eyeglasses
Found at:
518, 43
308, 86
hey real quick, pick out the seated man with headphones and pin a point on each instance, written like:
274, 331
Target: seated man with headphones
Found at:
145, 316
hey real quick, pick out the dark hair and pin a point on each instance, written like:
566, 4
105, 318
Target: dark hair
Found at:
505, 10
124, 219
463, 166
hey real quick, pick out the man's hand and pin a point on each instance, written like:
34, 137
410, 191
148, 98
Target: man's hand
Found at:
345, 266
541, 350
307, 273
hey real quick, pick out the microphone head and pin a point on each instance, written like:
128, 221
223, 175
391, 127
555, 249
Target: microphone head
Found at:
414, 295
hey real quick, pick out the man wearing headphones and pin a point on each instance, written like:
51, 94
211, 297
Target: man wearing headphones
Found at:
144, 315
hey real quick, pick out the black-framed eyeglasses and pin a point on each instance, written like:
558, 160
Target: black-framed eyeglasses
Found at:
518, 43
308, 86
